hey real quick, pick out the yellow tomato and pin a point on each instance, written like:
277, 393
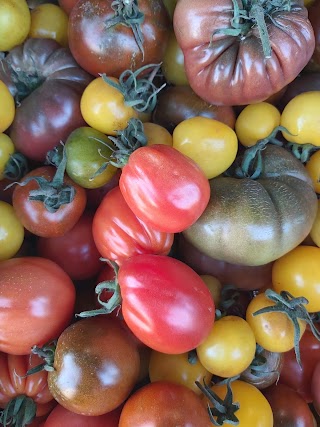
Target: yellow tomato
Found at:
313, 168
214, 286
274, 331
6, 149
103, 107
157, 134
229, 348
182, 369
255, 122
14, 23
49, 21
11, 232
7, 110
301, 118
254, 409
213, 145
173, 63
308, 3
298, 272
315, 231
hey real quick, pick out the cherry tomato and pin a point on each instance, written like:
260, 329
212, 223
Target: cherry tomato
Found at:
313, 167
214, 285
229, 348
44, 305
298, 272
157, 134
8, 108
6, 150
49, 21
315, 230
211, 144
255, 122
14, 23
11, 232
173, 63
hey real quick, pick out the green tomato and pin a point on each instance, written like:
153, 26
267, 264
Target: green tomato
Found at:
88, 153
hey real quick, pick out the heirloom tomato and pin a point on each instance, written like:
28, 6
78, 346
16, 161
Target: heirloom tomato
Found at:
14, 23
157, 134
315, 230
173, 63
119, 234
11, 231
248, 219
44, 309
67, 5
7, 107
313, 168
315, 383
314, 16
234, 61
6, 150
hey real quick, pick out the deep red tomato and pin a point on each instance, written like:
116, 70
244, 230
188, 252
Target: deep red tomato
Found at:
165, 303
61, 417
164, 188
315, 387
162, 404
67, 5
119, 234
75, 251
33, 214
102, 40
36, 303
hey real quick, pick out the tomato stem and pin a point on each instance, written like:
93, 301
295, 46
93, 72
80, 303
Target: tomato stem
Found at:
19, 412
17, 167
302, 151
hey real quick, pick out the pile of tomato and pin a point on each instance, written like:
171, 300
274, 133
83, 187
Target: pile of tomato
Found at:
159, 213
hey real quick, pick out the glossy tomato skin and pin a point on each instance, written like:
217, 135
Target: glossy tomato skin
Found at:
44, 309
99, 49
315, 383
234, 70
119, 234
61, 417
163, 403
67, 5
165, 303
50, 110
249, 221
14, 382
164, 188
96, 366
75, 251
33, 214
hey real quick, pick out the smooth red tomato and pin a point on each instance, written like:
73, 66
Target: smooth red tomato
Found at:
75, 251
36, 303
119, 234
165, 303
315, 387
164, 188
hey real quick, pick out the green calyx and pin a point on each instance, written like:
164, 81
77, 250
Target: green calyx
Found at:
294, 309
222, 411
19, 412
127, 12
17, 167
255, 14
302, 152
259, 365
138, 91
109, 285
46, 353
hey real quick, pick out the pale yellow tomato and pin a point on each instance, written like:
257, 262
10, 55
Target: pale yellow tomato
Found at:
6, 150
7, 107
157, 134
214, 286
15, 23
313, 168
315, 231
11, 232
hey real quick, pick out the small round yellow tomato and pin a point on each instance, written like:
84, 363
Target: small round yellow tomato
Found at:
213, 145
7, 110
255, 122
157, 134
301, 118
313, 168
49, 21
229, 348
214, 285
103, 107
11, 232
315, 231
173, 63
182, 369
254, 409
15, 23
6, 149
274, 331
298, 272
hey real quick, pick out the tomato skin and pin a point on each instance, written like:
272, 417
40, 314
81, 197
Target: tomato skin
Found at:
12, 232
61, 417
315, 230
173, 63
8, 108
315, 382
45, 309
313, 167
75, 251
119, 234
157, 293
36, 218
14, 23
173, 198
92, 375
67, 5
145, 407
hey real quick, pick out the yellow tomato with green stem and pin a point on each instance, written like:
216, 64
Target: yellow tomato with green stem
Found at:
11, 232
15, 23
213, 145
7, 110
313, 168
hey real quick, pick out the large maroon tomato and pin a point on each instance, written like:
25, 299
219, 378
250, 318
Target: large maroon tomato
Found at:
165, 303
48, 84
315, 387
75, 251
314, 16
164, 188
36, 303
119, 234
234, 69
103, 34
